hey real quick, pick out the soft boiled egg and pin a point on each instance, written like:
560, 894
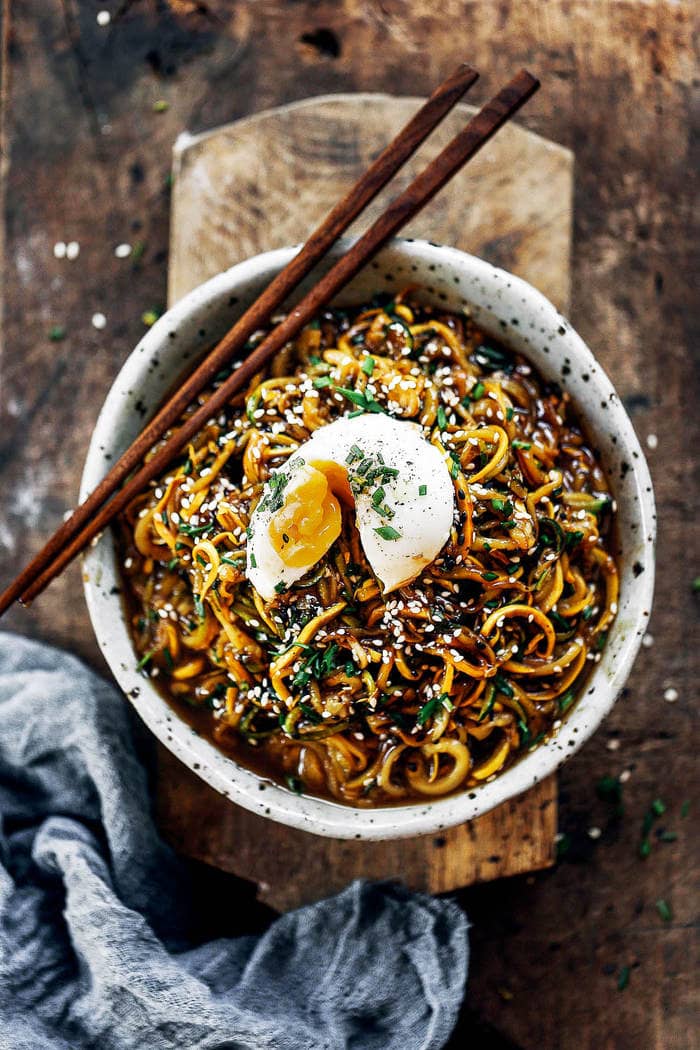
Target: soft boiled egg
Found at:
397, 482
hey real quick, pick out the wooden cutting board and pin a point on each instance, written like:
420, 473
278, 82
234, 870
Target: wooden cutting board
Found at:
262, 183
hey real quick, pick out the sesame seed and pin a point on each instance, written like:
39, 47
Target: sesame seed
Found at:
670, 695
648, 641
594, 833
652, 441
103, 18
72, 250
613, 745
122, 251
59, 249
99, 321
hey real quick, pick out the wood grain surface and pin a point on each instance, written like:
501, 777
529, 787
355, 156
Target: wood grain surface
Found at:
265, 182
85, 156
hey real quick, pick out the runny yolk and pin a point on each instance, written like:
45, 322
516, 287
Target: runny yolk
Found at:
310, 521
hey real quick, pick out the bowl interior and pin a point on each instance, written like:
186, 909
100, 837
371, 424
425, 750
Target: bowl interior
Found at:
508, 309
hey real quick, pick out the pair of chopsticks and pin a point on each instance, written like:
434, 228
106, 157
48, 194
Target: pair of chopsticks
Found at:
121, 484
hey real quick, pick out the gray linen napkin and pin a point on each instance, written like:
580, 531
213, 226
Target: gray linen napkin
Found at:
94, 909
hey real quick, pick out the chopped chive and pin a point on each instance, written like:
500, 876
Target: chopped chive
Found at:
658, 807
201, 559
172, 563
490, 575
564, 702
378, 495
368, 366
57, 333
322, 381
137, 252
430, 709
571, 539
441, 418
355, 413
280, 587
253, 563
454, 469
510, 412
168, 658
624, 979
644, 848
363, 401
354, 455
498, 504
161, 106
422, 490
477, 392
387, 532
685, 808
145, 659
664, 909
609, 789
563, 845
668, 836
193, 530
294, 784
149, 317
521, 444
696, 584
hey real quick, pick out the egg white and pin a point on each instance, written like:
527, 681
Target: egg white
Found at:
423, 522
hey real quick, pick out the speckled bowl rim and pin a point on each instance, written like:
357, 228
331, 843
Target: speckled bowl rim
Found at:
521, 316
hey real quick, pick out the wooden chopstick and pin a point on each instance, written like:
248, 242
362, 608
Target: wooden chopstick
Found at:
379, 173
423, 188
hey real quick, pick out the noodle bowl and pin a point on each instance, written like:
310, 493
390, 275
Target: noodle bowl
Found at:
334, 686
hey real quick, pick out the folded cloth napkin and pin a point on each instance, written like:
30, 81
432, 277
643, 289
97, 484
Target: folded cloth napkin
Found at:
94, 909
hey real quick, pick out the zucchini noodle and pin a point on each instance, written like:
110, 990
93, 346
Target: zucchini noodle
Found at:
334, 688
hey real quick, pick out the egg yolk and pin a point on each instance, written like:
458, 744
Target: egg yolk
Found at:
309, 522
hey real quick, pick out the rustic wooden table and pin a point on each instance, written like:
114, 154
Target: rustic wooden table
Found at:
89, 116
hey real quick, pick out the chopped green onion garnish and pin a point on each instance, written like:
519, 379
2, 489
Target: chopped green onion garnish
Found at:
477, 392
253, 563
56, 333
387, 532
521, 444
441, 418
145, 659
322, 381
664, 910
658, 807
294, 784
566, 700
490, 575
422, 490
624, 979
368, 366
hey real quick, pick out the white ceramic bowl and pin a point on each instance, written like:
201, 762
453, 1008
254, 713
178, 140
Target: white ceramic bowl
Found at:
505, 307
